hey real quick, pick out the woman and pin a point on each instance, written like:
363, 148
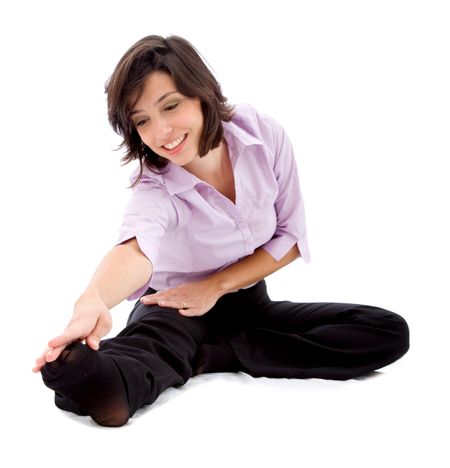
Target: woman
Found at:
216, 207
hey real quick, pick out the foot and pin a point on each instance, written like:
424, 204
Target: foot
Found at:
88, 382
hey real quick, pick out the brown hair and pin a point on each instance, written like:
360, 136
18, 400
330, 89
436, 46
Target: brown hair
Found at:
191, 77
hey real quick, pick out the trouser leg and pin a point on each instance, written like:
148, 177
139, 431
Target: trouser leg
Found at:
306, 340
154, 351
157, 350
159, 346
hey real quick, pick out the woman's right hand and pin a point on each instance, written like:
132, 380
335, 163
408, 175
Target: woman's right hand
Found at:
91, 320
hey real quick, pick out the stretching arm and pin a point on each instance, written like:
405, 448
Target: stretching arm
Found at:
123, 270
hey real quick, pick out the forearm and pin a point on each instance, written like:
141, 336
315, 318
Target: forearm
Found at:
251, 269
123, 270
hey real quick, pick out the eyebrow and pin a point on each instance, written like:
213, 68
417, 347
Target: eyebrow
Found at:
157, 102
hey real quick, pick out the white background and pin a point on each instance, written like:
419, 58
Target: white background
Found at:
362, 88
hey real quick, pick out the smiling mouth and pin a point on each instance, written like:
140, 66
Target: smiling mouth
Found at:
179, 140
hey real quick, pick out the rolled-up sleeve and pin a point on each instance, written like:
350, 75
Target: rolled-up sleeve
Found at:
148, 216
291, 224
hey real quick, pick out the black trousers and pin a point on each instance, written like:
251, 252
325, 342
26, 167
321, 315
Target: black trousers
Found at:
268, 338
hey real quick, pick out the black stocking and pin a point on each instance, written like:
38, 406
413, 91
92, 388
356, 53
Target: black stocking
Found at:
88, 382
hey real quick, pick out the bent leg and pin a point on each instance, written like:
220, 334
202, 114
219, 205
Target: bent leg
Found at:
322, 340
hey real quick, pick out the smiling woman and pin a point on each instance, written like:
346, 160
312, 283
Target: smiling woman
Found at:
194, 247
168, 128
156, 85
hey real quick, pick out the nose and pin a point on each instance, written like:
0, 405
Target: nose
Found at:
163, 130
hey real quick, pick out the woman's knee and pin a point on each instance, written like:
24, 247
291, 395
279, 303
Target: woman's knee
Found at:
396, 327
402, 331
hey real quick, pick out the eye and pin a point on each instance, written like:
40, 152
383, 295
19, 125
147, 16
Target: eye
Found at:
171, 107
140, 122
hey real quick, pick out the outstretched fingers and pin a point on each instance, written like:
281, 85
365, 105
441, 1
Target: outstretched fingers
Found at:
48, 355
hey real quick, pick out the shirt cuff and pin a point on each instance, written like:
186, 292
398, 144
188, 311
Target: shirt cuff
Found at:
278, 247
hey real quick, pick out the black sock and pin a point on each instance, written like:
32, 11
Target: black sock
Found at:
215, 357
88, 382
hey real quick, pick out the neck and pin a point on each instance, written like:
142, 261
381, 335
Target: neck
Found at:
210, 166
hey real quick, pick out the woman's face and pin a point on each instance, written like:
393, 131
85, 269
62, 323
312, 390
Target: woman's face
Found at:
168, 122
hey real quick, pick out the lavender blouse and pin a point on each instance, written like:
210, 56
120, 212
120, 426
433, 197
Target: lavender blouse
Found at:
189, 230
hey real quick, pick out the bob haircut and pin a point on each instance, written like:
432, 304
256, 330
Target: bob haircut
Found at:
177, 57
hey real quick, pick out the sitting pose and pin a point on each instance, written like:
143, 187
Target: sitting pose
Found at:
215, 207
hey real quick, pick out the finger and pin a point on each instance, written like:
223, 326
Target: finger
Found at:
40, 361
48, 355
71, 333
173, 303
93, 342
160, 300
192, 312
37, 368
54, 353
151, 298
103, 327
65, 338
187, 312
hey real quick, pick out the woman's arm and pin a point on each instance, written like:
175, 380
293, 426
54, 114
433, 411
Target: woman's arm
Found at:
199, 297
251, 269
123, 270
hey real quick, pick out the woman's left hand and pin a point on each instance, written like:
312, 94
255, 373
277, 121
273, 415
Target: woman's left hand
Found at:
197, 297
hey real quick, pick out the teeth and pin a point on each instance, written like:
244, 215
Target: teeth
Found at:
175, 143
